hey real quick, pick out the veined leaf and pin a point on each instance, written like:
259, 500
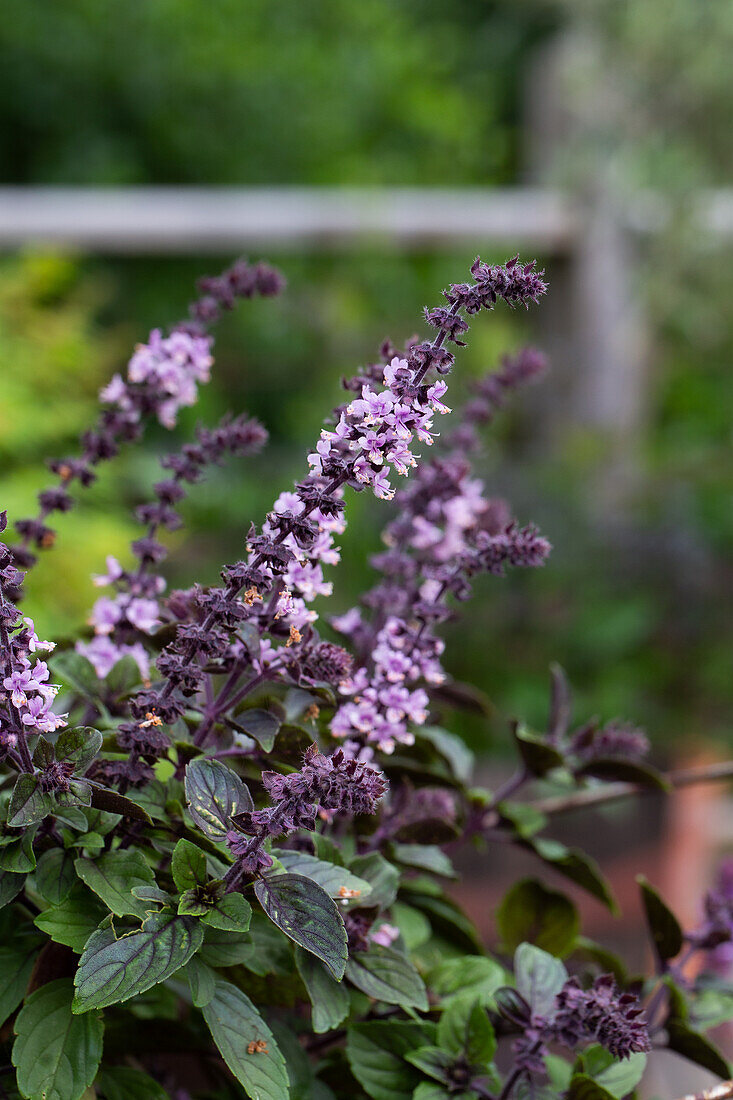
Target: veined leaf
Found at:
10, 886
532, 912
305, 913
263, 725
472, 977
539, 977
74, 920
112, 970
56, 1054
55, 875
387, 975
124, 1083
376, 1053
16, 964
79, 747
238, 1029
336, 881
214, 794
465, 1028
18, 855
330, 999
113, 876
201, 979
188, 866
29, 803
663, 924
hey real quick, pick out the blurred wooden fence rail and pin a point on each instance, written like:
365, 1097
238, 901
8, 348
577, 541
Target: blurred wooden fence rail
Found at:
170, 220
594, 327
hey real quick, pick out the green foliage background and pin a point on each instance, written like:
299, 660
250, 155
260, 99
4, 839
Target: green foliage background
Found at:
175, 91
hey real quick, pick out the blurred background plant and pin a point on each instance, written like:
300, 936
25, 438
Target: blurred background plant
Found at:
441, 92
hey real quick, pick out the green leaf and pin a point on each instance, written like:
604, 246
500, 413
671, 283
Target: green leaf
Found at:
663, 924
201, 979
472, 978
559, 1072
16, 964
190, 904
79, 747
453, 749
538, 756
625, 771
305, 913
387, 975
465, 1028
214, 794
604, 959
77, 672
123, 676
113, 876
383, 877
188, 866
18, 856
10, 886
115, 803
431, 1090
617, 1076
426, 857
124, 1083
112, 970
376, 1052
263, 725
539, 978
74, 920
696, 1048
330, 999
413, 925
530, 912
583, 1087
231, 913
222, 949
73, 817
332, 878
431, 1061
576, 866
29, 803
710, 1008
447, 918
152, 893
55, 875
56, 1054
234, 1023
523, 817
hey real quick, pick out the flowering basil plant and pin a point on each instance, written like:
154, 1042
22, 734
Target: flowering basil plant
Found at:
227, 841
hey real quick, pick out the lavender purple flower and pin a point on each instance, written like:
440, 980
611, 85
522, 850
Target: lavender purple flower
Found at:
162, 377
26, 695
282, 575
135, 608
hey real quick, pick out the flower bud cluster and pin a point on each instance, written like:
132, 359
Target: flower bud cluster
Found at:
134, 609
600, 1014
446, 531
26, 695
371, 437
162, 376
334, 784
